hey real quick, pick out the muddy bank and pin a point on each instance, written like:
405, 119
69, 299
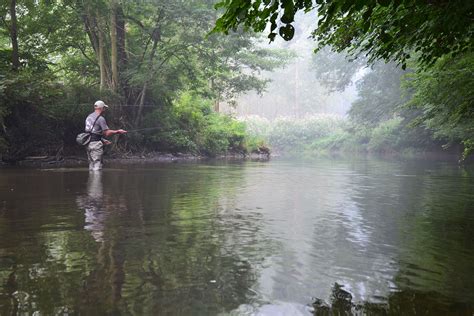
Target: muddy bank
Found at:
155, 157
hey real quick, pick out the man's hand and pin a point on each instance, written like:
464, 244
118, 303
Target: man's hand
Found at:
106, 142
121, 131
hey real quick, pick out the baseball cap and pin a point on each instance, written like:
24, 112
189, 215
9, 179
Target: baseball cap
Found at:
100, 104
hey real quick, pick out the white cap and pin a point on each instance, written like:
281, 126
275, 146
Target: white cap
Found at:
100, 104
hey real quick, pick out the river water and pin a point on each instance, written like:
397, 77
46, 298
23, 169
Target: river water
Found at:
266, 238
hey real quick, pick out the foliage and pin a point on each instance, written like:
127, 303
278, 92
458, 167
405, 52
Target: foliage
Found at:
383, 91
379, 95
387, 29
328, 134
336, 70
286, 134
437, 34
445, 96
140, 57
190, 125
27, 119
386, 136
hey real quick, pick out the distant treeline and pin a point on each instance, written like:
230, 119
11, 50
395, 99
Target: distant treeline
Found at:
397, 111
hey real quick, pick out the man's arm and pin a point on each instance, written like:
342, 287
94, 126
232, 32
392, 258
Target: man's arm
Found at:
110, 132
105, 129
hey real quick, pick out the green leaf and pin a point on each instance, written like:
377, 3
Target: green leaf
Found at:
287, 32
287, 18
384, 3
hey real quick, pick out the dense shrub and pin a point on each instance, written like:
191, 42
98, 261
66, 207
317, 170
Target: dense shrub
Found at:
190, 125
386, 136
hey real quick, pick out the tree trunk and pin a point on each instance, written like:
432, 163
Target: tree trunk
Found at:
122, 54
14, 36
113, 45
217, 104
102, 59
91, 27
145, 85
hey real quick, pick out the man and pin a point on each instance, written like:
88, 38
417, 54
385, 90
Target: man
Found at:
96, 124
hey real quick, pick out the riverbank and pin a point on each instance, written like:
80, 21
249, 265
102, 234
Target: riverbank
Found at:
145, 158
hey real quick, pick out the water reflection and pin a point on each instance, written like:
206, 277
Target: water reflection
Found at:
397, 303
92, 204
245, 238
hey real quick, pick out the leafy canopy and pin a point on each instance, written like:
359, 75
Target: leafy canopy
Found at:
383, 29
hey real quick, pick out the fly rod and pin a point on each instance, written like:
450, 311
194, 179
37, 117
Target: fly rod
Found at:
143, 129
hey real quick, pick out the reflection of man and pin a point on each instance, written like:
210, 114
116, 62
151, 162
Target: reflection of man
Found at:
92, 204
96, 124
109, 271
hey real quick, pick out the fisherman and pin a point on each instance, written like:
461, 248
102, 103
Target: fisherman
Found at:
96, 124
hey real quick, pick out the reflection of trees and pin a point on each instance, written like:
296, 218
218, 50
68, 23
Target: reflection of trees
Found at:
187, 262
42, 255
407, 302
437, 251
144, 242
419, 216
196, 239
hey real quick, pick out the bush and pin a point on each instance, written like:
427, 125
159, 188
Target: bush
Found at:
386, 136
221, 134
333, 142
190, 125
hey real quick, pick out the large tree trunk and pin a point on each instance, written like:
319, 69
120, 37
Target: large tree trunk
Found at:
14, 36
120, 29
101, 57
114, 46
95, 29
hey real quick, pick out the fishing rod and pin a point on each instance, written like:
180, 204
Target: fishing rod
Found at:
143, 129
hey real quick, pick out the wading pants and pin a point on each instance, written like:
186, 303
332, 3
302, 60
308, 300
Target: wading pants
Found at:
95, 150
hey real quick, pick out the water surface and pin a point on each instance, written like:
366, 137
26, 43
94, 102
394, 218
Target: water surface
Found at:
367, 236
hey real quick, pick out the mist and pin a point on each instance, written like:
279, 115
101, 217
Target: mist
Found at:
294, 90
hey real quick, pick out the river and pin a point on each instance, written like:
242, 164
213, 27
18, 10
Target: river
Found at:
266, 238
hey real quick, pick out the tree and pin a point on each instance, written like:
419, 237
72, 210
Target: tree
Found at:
379, 95
336, 71
14, 36
444, 96
382, 29
141, 54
